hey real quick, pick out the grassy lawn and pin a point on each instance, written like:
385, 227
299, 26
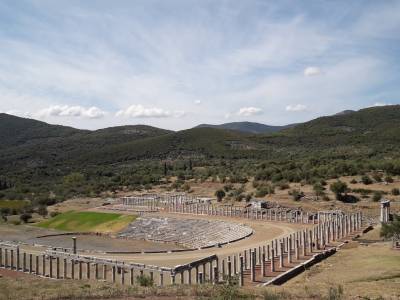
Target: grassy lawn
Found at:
86, 221
14, 204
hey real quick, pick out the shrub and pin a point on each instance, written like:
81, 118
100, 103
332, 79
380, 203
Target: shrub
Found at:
296, 194
25, 217
42, 210
335, 293
220, 194
54, 213
144, 280
395, 192
366, 179
389, 179
353, 181
338, 188
377, 177
376, 196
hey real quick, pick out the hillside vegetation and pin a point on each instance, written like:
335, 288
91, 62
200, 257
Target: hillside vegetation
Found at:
47, 163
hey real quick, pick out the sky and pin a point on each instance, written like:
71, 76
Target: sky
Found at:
175, 64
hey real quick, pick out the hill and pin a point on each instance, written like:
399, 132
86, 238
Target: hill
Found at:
36, 157
248, 127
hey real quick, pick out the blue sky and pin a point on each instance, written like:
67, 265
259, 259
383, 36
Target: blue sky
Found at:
175, 64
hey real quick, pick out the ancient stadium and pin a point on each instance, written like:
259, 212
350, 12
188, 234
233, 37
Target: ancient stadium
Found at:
182, 239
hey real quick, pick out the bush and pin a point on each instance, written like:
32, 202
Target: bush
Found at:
335, 293
377, 177
377, 196
42, 211
25, 217
144, 280
389, 179
366, 179
338, 188
296, 194
353, 181
54, 213
220, 194
395, 192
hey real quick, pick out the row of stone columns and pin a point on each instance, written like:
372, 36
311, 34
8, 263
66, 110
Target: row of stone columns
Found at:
272, 214
286, 251
65, 268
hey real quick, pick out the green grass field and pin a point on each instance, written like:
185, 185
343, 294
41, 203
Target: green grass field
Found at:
14, 204
86, 221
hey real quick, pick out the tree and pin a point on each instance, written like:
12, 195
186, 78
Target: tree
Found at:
319, 190
220, 194
338, 188
42, 210
296, 194
377, 196
25, 217
366, 179
395, 192
389, 179
391, 229
165, 169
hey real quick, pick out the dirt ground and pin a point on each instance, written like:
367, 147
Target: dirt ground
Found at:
29, 234
362, 272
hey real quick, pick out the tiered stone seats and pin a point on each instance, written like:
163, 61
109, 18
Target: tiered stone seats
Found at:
191, 233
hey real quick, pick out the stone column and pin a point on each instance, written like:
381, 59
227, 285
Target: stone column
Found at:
200, 278
197, 274
272, 260
30, 263
289, 251
281, 254
96, 271
263, 264
12, 259
80, 276
37, 265
161, 278
105, 272
73, 269
18, 259
43, 265
132, 277
88, 270
58, 267
172, 279
190, 276
24, 262
74, 245
229, 269
113, 274
122, 275
241, 265
65, 268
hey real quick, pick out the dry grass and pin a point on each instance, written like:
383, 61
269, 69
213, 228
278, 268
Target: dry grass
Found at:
365, 271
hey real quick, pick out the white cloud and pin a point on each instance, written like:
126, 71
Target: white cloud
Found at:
381, 104
139, 111
249, 111
296, 107
70, 111
312, 71
197, 102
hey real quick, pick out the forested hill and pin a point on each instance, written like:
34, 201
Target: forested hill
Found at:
33, 152
248, 127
